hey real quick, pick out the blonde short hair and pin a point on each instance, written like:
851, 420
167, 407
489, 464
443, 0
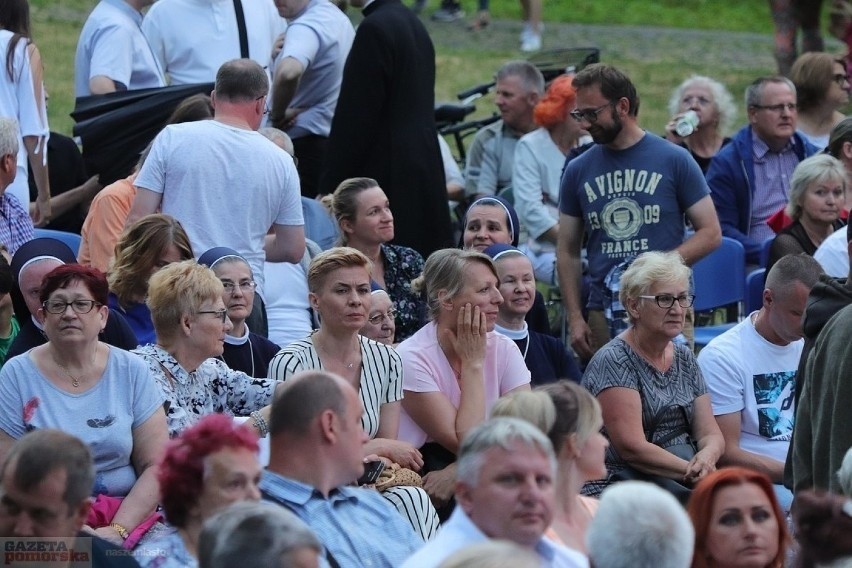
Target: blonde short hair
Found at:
648, 269
177, 290
328, 261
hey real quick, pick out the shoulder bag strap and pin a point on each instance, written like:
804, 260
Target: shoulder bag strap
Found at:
241, 26
269, 497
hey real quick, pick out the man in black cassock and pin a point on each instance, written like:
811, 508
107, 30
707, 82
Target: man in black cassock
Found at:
384, 125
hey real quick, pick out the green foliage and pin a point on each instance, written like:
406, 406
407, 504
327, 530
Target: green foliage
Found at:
731, 15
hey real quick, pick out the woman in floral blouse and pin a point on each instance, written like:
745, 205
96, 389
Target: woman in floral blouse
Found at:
191, 321
363, 213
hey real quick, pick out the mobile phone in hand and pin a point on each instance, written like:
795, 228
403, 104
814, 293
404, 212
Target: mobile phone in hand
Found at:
372, 471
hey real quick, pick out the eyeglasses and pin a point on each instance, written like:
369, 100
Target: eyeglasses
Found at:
666, 301
589, 115
246, 286
379, 318
265, 108
789, 107
840, 79
220, 314
79, 306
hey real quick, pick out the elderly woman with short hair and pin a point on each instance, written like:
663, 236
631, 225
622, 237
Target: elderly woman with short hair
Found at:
817, 197
244, 350
650, 389
205, 469
716, 111
191, 321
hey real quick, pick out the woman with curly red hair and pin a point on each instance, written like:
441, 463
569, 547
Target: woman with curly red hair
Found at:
539, 159
209, 466
738, 522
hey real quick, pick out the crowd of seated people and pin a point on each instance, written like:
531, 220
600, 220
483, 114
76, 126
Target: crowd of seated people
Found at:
159, 352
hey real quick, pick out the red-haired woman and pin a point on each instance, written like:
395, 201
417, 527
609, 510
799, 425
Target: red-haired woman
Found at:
539, 158
737, 520
99, 393
205, 469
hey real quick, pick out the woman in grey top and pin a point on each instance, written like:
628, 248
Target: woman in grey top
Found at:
650, 389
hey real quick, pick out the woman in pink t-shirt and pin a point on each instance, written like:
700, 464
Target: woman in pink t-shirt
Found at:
456, 366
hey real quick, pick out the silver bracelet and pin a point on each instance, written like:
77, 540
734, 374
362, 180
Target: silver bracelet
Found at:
260, 423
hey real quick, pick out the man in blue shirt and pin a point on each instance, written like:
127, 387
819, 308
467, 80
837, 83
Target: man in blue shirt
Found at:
112, 53
18, 226
316, 452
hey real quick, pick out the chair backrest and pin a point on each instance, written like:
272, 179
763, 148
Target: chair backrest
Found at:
71, 239
720, 276
755, 283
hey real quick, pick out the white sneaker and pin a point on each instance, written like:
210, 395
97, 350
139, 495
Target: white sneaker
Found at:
527, 31
531, 42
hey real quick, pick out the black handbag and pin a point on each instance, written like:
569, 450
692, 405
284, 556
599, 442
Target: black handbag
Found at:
685, 450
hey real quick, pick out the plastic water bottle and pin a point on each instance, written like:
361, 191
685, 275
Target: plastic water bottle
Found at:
686, 124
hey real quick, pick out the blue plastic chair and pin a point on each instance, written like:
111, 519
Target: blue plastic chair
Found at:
754, 290
71, 239
719, 281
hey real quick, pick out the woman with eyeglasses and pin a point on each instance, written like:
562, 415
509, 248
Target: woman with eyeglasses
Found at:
244, 350
363, 213
148, 245
714, 105
822, 89
380, 324
339, 284
99, 393
191, 321
656, 407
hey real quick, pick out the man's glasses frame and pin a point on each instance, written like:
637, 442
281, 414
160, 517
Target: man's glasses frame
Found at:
589, 115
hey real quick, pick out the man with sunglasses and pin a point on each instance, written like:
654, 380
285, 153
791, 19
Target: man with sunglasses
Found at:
751, 371
749, 178
629, 193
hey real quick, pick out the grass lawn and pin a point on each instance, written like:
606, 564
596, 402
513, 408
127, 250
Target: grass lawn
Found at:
656, 64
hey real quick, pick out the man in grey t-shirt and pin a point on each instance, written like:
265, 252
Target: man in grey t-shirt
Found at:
306, 82
225, 183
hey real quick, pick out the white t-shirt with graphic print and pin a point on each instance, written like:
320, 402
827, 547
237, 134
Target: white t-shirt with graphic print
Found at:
746, 373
